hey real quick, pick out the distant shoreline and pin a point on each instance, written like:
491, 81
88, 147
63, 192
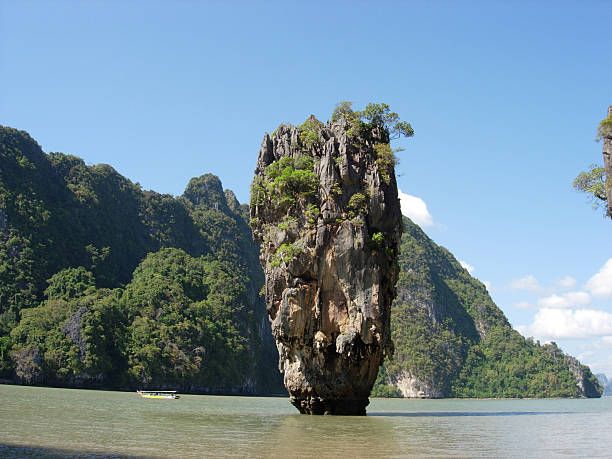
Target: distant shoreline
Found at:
9, 382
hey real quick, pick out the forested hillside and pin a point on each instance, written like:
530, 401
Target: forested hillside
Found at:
451, 340
104, 283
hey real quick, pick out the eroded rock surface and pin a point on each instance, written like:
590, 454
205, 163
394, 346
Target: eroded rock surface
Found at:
324, 208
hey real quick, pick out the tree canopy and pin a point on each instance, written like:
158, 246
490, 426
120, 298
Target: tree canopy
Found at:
597, 181
102, 283
374, 115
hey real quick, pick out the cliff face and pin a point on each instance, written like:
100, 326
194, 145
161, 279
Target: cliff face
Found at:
587, 384
325, 210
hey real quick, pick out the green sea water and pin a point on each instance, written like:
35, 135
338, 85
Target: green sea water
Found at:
49, 422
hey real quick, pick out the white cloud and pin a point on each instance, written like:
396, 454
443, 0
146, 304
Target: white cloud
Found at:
488, 285
601, 363
600, 284
604, 343
567, 283
415, 209
522, 305
567, 300
528, 283
568, 324
468, 267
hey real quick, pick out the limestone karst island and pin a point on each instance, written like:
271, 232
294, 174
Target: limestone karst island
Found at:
324, 209
106, 285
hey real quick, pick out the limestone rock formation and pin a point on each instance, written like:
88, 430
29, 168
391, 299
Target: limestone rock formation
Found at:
588, 386
325, 209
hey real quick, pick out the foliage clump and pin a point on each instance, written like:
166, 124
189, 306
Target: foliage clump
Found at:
356, 205
286, 222
604, 129
312, 213
378, 239
385, 160
284, 182
310, 131
375, 116
285, 253
595, 182
378, 123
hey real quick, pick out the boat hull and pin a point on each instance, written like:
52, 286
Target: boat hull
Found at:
157, 395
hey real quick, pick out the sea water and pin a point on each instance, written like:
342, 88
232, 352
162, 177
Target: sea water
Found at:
50, 422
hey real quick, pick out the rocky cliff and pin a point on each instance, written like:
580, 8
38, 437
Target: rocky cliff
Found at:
588, 386
324, 208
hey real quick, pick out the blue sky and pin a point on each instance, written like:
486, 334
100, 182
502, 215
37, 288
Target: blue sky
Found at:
504, 97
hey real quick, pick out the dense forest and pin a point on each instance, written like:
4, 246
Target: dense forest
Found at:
103, 284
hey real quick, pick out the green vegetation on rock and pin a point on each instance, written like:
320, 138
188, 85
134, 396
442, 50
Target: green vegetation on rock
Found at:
285, 253
597, 181
374, 117
285, 182
593, 183
605, 128
309, 131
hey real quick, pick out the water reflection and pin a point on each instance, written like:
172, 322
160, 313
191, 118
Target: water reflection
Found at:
465, 413
21, 451
332, 436
59, 422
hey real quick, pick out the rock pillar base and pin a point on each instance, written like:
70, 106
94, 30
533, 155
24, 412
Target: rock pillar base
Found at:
342, 407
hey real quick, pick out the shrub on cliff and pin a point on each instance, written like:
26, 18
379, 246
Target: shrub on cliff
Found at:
372, 117
597, 181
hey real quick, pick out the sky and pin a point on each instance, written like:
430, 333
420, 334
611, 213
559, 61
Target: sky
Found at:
504, 97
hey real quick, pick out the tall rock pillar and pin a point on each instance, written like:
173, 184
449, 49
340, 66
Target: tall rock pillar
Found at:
325, 210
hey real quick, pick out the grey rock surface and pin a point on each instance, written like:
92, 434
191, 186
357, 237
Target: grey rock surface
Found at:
328, 221
586, 387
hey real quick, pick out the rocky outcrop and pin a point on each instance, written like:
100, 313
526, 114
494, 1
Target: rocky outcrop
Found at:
411, 386
586, 382
72, 328
324, 208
